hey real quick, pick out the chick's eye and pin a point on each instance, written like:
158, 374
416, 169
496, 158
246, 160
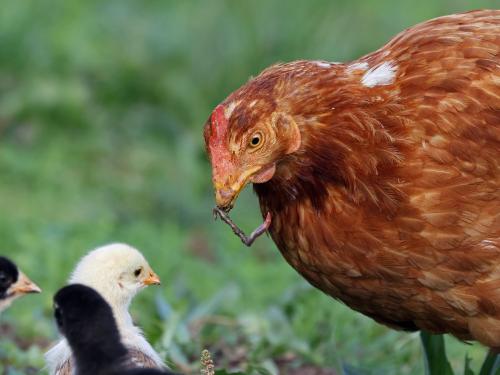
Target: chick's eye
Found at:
137, 272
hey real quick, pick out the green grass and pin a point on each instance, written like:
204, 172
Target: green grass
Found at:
101, 112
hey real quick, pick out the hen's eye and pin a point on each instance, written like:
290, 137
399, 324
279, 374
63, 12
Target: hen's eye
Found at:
137, 272
255, 140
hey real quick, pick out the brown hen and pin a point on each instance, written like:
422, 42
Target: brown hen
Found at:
382, 175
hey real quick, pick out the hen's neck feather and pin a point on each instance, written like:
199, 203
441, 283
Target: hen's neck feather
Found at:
350, 141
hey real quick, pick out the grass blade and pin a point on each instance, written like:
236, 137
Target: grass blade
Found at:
467, 369
491, 364
436, 361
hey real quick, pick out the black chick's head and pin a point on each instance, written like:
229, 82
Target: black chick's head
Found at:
87, 322
8, 275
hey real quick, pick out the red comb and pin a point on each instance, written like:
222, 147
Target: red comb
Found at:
218, 125
220, 155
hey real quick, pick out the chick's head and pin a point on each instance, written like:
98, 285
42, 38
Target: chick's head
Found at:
117, 271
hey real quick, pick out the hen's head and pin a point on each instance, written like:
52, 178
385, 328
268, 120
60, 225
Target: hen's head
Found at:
249, 134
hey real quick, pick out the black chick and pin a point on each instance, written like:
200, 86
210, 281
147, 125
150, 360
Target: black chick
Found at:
13, 283
87, 322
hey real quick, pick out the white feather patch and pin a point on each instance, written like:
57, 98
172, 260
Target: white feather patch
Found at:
322, 64
325, 64
380, 75
228, 111
357, 66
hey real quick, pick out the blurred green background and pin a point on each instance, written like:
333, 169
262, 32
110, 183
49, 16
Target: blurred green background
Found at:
102, 105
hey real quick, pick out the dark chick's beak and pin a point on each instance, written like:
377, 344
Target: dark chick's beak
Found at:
23, 286
152, 279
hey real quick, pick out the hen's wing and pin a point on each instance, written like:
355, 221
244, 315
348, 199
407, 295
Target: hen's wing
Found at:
449, 231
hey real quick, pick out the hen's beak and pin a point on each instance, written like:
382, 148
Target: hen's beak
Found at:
23, 286
229, 185
225, 196
152, 279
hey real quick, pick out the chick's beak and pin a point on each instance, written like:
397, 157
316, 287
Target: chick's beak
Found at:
152, 279
24, 286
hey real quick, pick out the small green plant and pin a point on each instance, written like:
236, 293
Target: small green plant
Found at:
437, 363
